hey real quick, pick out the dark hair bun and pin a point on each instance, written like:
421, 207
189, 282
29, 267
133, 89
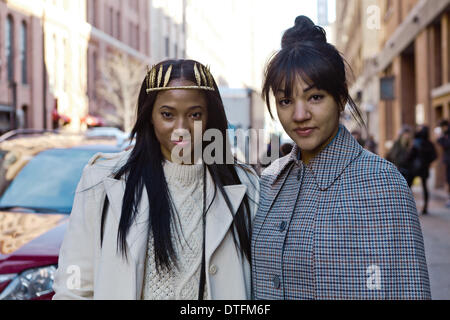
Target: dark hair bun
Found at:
303, 30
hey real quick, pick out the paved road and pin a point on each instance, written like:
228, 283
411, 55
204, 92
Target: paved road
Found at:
436, 232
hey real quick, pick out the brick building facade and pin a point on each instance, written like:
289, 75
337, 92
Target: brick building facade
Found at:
408, 75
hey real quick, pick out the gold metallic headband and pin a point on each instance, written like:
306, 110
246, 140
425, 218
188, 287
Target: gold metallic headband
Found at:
154, 78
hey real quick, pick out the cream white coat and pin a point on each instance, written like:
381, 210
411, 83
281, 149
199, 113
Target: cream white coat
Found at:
87, 270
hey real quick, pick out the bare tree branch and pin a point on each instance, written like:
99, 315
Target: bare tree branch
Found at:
121, 78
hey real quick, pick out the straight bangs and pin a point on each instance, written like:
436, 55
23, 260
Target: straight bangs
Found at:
287, 67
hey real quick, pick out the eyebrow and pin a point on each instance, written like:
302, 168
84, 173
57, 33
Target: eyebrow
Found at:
304, 91
172, 108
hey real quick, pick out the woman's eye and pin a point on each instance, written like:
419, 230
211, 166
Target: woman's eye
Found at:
316, 97
284, 102
166, 115
196, 115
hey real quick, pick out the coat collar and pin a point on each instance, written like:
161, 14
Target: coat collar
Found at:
326, 167
218, 222
218, 219
329, 164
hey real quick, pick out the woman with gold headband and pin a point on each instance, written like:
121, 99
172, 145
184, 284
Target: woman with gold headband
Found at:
156, 221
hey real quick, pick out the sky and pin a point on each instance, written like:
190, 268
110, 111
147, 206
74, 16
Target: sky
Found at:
273, 17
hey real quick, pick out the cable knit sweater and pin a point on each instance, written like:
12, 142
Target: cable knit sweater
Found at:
185, 183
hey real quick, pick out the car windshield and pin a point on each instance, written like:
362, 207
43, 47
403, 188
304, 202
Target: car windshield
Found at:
48, 181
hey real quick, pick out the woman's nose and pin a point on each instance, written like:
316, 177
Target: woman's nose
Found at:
181, 124
181, 132
301, 112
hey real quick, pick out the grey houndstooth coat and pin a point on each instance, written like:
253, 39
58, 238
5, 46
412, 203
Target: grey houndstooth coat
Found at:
345, 226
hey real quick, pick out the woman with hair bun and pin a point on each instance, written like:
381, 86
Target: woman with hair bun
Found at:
334, 221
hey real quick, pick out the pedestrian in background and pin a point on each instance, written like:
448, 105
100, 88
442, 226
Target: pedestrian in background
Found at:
443, 138
285, 149
335, 221
357, 135
400, 153
173, 229
423, 153
370, 144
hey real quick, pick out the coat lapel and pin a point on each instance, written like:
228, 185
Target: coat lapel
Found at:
219, 217
271, 182
218, 222
137, 236
343, 149
115, 190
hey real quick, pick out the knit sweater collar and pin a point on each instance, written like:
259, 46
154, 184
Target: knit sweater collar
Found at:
184, 174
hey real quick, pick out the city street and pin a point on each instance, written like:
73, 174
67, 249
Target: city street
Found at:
436, 232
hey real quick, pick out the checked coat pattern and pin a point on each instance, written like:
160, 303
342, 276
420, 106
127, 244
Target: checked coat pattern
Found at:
344, 226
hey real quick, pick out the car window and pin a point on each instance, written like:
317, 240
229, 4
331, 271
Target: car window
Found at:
48, 180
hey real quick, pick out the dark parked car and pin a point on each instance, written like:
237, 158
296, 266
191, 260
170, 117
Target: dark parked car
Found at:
39, 172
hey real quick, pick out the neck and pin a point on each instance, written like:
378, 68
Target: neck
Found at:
182, 160
307, 155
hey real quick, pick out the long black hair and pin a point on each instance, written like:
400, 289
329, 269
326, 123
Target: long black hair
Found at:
305, 52
144, 167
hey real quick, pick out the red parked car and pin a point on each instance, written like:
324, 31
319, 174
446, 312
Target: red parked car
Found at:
39, 172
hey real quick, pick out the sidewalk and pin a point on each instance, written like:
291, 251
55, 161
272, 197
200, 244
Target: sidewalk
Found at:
436, 233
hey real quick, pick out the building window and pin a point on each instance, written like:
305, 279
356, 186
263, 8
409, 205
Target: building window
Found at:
130, 34
388, 4
67, 72
95, 13
94, 70
55, 64
118, 25
389, 10
10, 47
147, 43
135, 5
23, 52
111, 22
137, 38
24, 120
167, 47
107, 24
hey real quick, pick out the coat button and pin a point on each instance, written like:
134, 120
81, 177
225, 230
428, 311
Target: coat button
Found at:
283, 226
276, 282
213, 269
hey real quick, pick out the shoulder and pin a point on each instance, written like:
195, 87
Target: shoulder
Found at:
369, 163
248, 177
374, 190
378, 180
104, 160
103, 165
272, 172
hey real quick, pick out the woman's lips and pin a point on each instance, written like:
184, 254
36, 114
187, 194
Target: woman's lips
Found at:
182, 143
304, 132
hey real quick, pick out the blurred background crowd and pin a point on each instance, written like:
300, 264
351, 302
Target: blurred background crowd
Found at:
75, 66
